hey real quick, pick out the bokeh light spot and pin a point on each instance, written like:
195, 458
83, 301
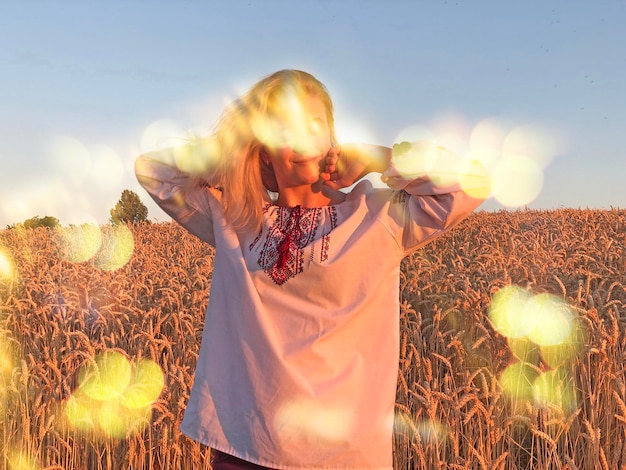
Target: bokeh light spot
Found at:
116, 249
197, 157
555, 319
146, 385
486, 141
78, 410
517, 181
79, 243
507, 312
416, 159
115, 397
471, 179
555, 388
107, 378
531, 141
517, 381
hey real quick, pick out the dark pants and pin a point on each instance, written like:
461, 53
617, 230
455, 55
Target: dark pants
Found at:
222, 461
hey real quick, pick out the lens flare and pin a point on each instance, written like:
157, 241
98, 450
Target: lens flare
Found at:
116, 249
517, 381
79, 243
197, 157
507, 312
116, 421
555, 388
79, 412
423, 158
115, 396
472, 177
352, 130
554, 320
7, 265
530, 141
517, 181
486, 141
7, 360
146, 385
107, 378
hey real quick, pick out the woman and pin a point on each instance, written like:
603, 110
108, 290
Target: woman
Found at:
299, 356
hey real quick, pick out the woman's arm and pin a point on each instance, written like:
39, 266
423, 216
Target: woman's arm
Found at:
172, 177
349, 163
435, 188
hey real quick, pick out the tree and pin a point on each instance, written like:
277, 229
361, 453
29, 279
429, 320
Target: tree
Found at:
129, 209
47, 221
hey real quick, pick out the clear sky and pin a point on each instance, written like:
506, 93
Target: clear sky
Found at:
537, 89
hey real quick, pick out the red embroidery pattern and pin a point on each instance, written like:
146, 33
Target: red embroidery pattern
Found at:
282, 254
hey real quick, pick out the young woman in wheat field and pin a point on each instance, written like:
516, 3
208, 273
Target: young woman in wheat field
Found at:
299, 356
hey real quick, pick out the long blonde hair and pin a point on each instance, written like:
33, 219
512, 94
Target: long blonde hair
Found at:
237, 169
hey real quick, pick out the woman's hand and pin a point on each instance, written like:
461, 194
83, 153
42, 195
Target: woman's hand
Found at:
345, 165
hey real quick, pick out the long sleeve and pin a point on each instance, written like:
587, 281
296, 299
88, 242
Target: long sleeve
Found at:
188, 204
433, 190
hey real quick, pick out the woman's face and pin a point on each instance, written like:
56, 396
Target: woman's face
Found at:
301, 140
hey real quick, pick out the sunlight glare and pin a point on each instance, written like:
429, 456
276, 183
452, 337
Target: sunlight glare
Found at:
7, 265
353, 130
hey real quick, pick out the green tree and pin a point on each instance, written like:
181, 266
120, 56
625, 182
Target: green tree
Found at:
47, 221
129, 209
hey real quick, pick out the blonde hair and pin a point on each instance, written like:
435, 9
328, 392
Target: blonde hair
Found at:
236, 138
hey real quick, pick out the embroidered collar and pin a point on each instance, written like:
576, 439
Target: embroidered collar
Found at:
292, 231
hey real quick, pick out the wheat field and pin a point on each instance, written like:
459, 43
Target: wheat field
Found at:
99, 335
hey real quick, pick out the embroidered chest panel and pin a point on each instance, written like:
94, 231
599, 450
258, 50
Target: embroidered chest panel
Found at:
292, 233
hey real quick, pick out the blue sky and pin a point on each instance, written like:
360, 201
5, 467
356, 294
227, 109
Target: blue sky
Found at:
82, 81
